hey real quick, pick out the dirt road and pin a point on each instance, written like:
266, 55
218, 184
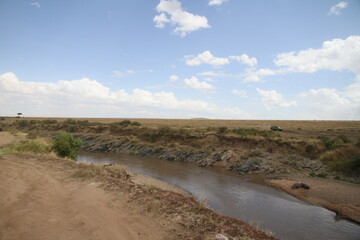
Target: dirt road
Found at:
36, 203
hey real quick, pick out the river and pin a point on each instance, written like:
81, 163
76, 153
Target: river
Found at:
231, 195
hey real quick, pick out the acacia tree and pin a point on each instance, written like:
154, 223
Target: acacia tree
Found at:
19, 114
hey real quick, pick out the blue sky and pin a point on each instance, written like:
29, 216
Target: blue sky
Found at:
234, 59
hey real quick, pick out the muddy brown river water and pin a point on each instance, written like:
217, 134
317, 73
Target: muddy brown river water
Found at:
231, 195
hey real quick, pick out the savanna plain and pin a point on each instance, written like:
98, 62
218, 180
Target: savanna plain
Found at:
46, 196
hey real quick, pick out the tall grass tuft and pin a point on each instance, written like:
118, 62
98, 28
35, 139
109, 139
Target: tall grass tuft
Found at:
27, 146
345, 159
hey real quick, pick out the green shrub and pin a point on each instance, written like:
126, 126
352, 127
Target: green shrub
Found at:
65, 145
327, 142
124, 123
136, 124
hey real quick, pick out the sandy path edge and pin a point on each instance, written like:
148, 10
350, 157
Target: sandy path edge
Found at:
340, 197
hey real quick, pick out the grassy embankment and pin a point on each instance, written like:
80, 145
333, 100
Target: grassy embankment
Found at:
336, 143
193, 220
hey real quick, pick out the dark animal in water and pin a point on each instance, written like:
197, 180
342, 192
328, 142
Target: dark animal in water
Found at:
300, 185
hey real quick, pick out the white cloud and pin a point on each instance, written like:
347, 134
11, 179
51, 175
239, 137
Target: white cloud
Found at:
208, 58
331, 104
194, 82
245, 59
216, 2
241, 93
273, 99
256, 76
335, 55
63, 98
335, 10
172, 12
35, 4
353, 91
173, 78
211, 74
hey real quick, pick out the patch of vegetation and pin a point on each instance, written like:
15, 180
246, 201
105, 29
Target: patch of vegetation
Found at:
136, 124
222, 130
66, 145
328, 143
49, 121
345, 159
70, 121
253, 132
27, 146
22, 123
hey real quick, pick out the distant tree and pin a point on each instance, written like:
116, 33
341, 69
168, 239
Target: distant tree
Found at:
19, 115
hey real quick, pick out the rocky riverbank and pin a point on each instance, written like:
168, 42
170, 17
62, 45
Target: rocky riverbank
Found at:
242, 161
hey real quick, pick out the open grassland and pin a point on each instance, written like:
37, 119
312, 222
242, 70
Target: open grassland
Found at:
335, 143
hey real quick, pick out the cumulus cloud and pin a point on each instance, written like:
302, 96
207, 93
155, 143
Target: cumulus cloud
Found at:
335, 55
35, 4
241, 93
272, 99
216, 2
173, 78
194, 82
207, 57
256, 76
245, 59
58, 98
328, 103
171, 11
336, 9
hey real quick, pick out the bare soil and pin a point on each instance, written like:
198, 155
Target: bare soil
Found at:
35, 203
340, 197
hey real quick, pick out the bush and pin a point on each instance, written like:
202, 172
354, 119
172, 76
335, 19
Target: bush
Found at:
65, 145
22, 123
136, 124
345, 159
222, 130
124, 123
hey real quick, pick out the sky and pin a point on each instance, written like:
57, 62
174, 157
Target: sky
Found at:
219, 59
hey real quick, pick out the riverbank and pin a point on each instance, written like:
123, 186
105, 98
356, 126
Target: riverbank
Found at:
46, 197
338, 196
277, 170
